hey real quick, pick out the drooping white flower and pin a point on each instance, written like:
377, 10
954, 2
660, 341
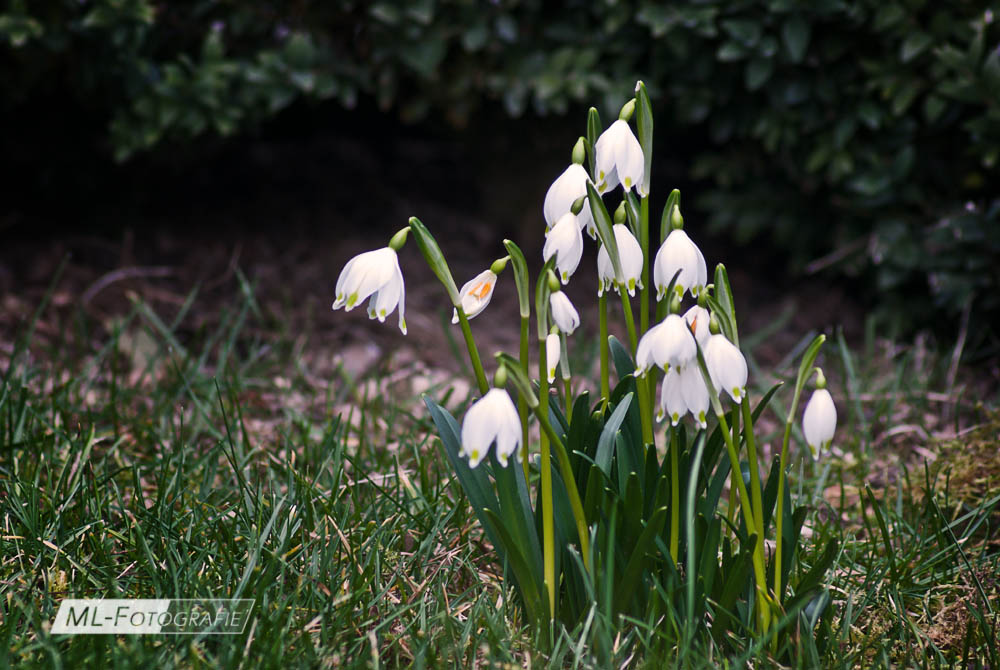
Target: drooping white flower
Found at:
476, 294
697, 319
492, 418
671, 398
553, 352
678, 252
563, 312
726, 366
695, 393
819, 421
619, 159
376, 274
630, 255
667, 344
565, 241
568, 187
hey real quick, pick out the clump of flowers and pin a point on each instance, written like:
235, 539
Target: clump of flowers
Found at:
622, 512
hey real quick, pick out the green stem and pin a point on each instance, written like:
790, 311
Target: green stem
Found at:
675, 496
569, 399
548, 534
779, 513
644, 244
602, 306
633, 341
477, 364
566, 470
522, 404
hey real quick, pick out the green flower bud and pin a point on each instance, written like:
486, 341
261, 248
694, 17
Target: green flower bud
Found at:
676, 219
627, 110
554, 284
703, 296
713, 326
499, 265
500, 377
577, 205
820, 379
675, 304
580, 151
620, 214
399, 239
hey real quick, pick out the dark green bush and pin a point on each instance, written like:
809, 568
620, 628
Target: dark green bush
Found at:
858, 134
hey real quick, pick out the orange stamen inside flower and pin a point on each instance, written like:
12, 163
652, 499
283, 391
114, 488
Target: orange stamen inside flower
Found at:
694, 323
481, 290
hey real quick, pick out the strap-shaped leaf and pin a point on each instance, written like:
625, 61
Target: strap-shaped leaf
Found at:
812, 579
724, 296
673, 202
435, 259
624, 365
605, 229
521, 279
606, 442
531, 583
632, 576
515, 509
644, 126
594, 130
475, 482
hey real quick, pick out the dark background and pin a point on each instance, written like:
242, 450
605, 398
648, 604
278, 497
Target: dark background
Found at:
851, 145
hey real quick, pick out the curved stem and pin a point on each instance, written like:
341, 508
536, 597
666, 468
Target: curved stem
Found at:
641, 383
755, 490
633, 341
477, 363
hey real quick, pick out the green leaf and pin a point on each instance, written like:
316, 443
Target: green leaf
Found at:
594, 130
914, 45
630, 579
435, 259
757, 72
475, 482
744, 31
520, 277
531, 584
795, 33
624, 365
644, 125
602, 458
605, 230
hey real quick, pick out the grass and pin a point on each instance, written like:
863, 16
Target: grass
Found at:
147, 458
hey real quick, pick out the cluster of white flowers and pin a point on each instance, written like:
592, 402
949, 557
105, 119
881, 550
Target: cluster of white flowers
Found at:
671, 345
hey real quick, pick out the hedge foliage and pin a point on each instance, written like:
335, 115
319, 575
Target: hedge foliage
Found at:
865, 132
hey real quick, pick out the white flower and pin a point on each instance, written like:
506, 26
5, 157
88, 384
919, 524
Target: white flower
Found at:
476, 294
667, 344
563, 312
565, 241
492, 417
819, 421
569, 187
630, 255
376, 274
695, 393
697, 319
671, 398
678, 252
619, 159
553, 351
726, 367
